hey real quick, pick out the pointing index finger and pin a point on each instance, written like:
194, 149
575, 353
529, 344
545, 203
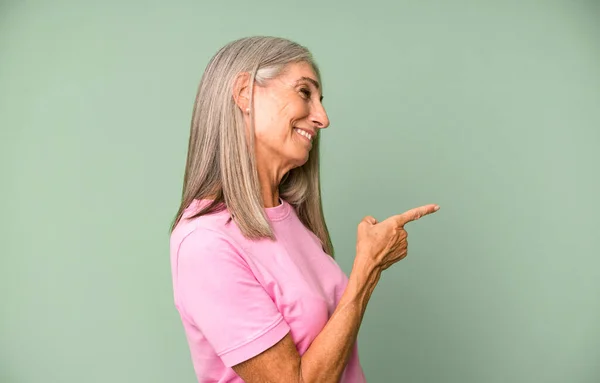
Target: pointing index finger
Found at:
416, 213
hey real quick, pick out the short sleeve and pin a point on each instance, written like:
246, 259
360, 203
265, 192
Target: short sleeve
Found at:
221, 296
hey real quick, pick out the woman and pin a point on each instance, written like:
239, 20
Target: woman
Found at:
255, 282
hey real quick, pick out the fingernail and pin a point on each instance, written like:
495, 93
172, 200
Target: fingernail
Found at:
436, 208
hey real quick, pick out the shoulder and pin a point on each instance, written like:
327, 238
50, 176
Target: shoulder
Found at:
205, 238
213, 225
204, 258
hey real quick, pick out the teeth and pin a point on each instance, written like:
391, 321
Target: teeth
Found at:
305, 134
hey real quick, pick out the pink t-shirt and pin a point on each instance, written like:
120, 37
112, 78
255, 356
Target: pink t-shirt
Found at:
238, 297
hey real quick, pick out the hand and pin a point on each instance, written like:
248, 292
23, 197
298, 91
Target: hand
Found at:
380, 245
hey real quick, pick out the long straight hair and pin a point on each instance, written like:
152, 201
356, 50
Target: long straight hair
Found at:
221, 161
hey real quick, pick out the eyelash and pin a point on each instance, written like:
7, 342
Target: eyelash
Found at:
305, 92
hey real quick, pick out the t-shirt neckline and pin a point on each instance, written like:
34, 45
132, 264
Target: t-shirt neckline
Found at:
279, 212
276, 213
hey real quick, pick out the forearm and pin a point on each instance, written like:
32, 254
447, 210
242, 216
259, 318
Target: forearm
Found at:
325, 359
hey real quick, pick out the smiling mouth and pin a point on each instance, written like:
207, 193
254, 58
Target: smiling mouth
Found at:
304, 134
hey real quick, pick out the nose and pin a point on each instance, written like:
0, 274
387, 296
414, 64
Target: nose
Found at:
319, 117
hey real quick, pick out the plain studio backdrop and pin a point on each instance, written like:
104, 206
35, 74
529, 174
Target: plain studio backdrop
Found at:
489, 109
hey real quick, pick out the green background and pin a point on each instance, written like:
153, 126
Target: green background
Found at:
490, 109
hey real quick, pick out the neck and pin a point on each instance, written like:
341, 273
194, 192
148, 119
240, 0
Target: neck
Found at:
270, 175
269, 186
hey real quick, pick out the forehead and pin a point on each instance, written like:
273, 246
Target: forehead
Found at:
299, 71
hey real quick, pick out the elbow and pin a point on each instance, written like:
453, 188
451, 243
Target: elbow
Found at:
300, 375
307, 375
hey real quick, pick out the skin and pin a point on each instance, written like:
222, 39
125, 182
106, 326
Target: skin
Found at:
287, 102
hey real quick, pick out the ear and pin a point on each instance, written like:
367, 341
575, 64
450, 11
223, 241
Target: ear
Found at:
241, 91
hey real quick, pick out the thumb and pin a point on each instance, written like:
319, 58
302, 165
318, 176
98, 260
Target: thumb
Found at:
369, 219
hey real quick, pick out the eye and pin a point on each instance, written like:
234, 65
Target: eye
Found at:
305, 92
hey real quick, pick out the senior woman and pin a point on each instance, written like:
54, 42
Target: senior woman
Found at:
259, 293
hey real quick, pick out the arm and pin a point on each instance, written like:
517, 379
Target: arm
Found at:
326, 358
379, 245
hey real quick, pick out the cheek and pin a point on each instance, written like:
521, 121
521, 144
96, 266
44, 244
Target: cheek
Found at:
274, 124
268, 111
295, 110
268, 132
275, 114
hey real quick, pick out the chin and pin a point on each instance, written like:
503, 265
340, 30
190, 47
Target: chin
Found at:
300, 160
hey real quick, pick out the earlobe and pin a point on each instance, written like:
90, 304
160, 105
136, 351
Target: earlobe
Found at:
241, 91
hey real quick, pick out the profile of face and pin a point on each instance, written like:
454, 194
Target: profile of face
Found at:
288, 113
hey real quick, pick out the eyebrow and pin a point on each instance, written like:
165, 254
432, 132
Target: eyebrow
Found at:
312, 81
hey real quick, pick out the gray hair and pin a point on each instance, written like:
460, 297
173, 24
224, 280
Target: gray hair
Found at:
221, 161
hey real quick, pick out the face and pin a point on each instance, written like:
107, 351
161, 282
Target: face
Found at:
288, 114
